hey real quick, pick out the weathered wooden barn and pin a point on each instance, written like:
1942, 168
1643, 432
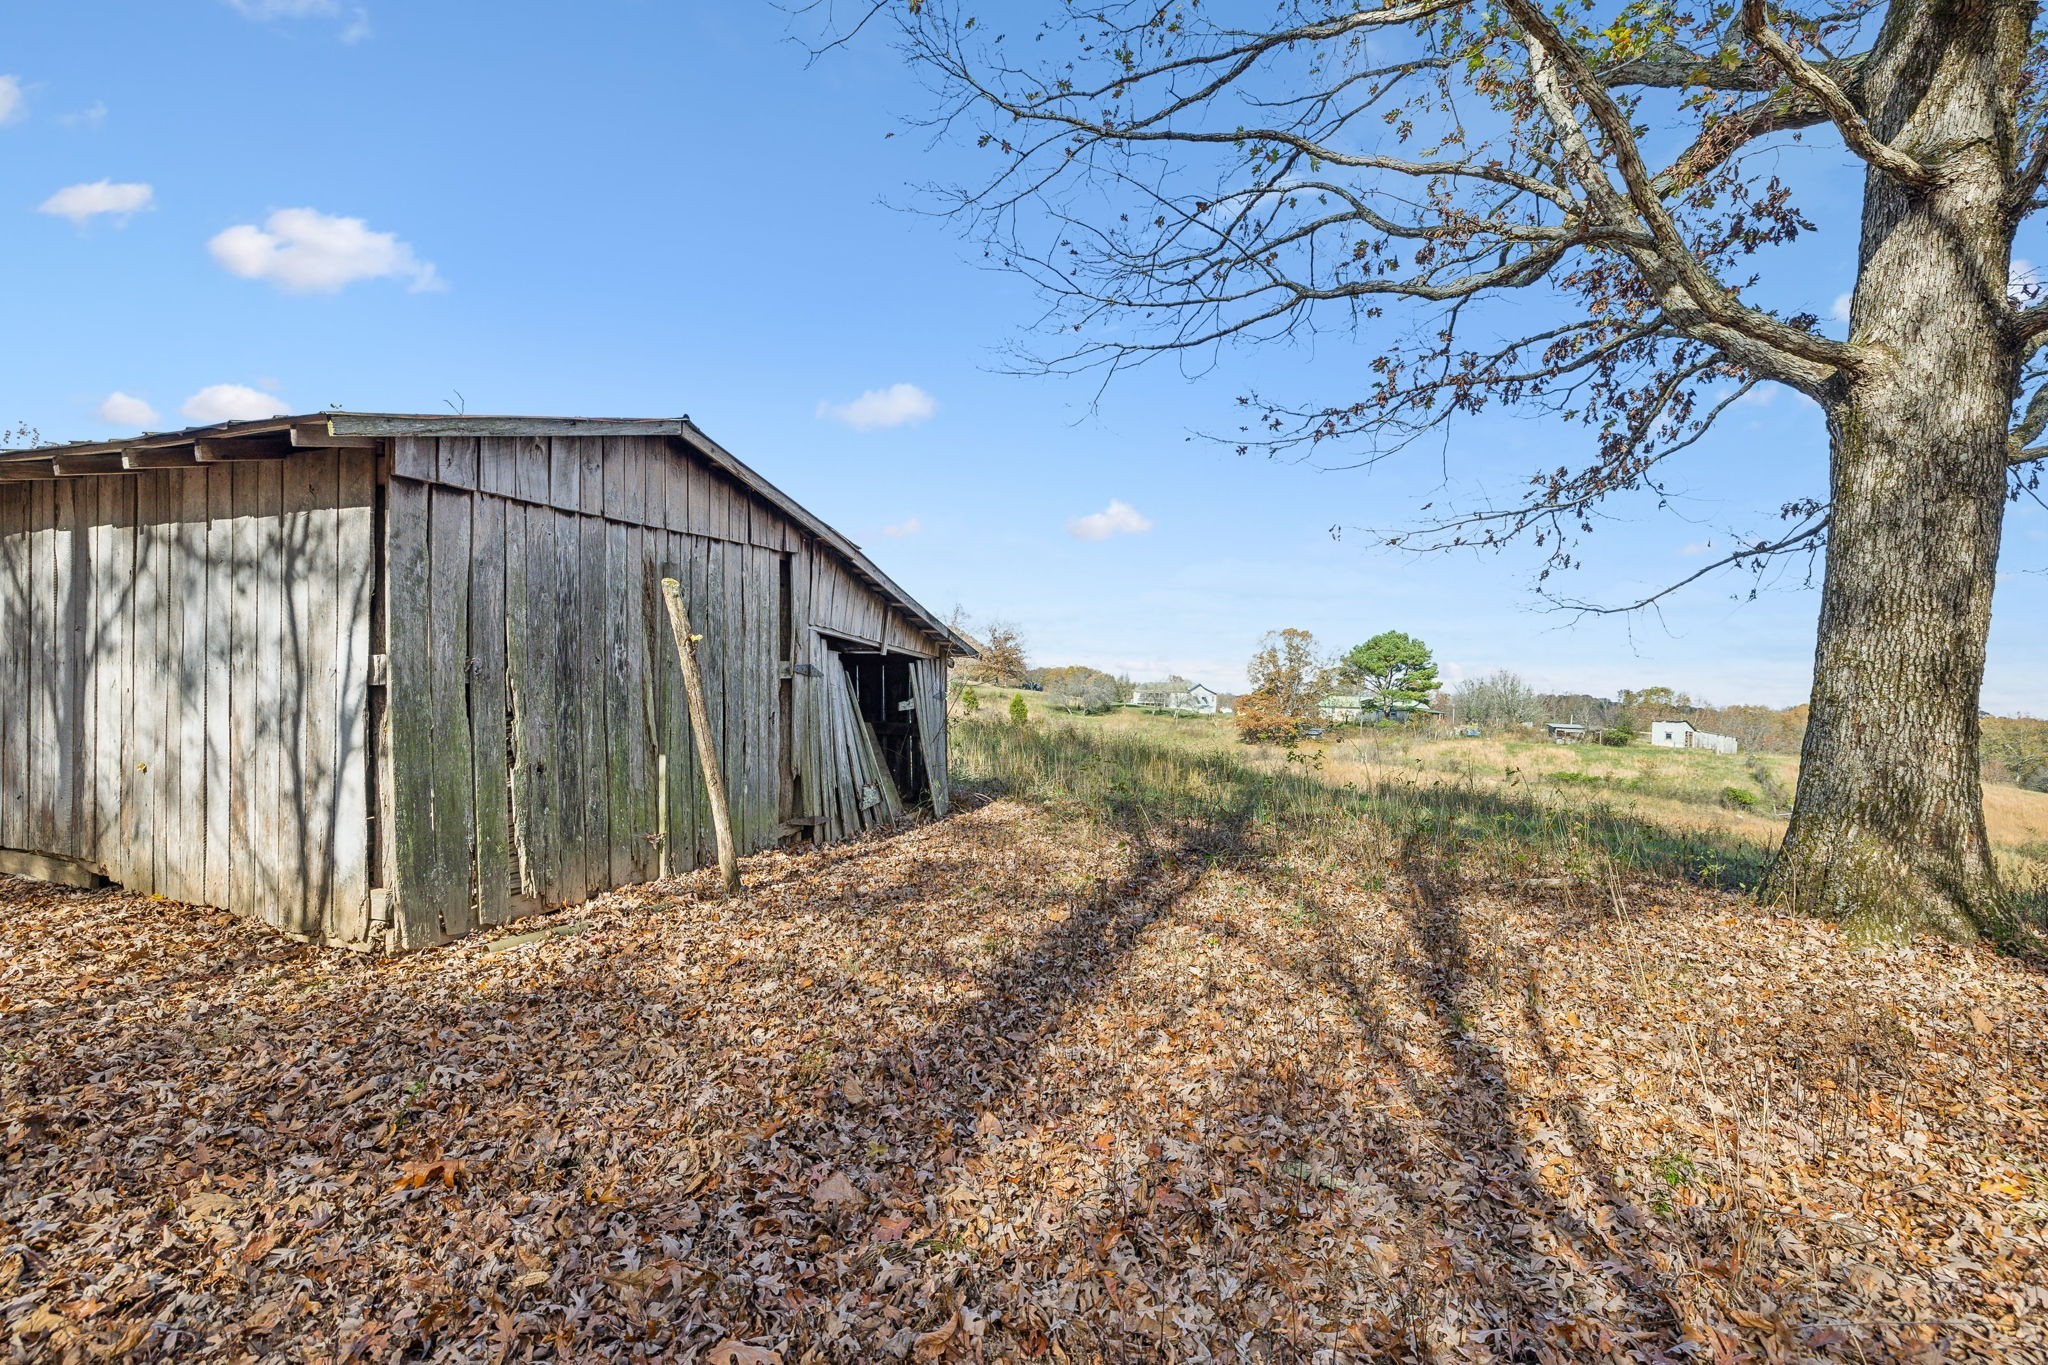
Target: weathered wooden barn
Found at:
377, 680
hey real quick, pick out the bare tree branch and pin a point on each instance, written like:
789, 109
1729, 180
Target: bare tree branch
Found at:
1806, 538
1688, 291
2031, 424
1831, 98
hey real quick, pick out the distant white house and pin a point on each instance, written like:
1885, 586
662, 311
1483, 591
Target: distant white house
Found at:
1175, 694
1680, 734
1342, 710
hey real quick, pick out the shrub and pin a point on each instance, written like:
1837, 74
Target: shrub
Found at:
970, 700
1616, 739
1020, 714
1740, 798
1261, 720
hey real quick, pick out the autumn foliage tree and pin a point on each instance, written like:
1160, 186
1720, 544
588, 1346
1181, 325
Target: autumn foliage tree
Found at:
1286, 678
1178, 175
1001, 660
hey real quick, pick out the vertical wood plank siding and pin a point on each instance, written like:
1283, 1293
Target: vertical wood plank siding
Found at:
183, 677
573, 697
186, 662
490, 776
17, 635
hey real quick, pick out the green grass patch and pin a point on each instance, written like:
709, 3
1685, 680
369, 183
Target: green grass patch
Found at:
1218, 801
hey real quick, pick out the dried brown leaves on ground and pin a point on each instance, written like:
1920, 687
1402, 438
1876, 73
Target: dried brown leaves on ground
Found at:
1008, 1088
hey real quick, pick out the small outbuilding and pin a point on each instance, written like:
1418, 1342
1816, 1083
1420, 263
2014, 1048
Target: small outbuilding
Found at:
1681, 734
1565, 732
377, 680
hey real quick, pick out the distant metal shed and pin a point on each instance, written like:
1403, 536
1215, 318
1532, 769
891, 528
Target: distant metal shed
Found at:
377, 680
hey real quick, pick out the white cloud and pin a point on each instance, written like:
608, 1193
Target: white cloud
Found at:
909, 526
896, 406
354, 30
126, 410
81, 202
305, 251
1696, 549
231, 403
13, 100
1119, 518
92, 116
1839, 310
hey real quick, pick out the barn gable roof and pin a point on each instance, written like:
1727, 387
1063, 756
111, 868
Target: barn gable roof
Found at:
279, 436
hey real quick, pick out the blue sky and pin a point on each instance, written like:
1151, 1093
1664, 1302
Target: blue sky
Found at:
633, 208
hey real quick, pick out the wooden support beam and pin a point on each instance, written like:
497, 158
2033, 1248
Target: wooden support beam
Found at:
67, 448
25, 471
180, 456
105, 462
45, 867
701, 732
317, 436
268, 447
369, 424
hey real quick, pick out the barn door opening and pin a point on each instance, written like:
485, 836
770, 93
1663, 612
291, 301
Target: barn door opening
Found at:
883, 690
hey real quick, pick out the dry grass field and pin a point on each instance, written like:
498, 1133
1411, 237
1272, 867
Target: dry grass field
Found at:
1742, 796
1151, 1053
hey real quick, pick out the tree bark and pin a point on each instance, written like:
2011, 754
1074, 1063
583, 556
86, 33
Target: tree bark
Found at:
1888, 827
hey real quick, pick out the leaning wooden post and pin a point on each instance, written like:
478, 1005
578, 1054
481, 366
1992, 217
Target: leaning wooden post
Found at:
700, 727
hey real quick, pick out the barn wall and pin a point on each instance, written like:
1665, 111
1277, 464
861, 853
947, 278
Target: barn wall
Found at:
185, 658
540, 748
540, 745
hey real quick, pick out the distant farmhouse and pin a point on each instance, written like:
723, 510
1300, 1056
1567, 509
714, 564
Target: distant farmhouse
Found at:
1679, 734
1368, 710
1176, 694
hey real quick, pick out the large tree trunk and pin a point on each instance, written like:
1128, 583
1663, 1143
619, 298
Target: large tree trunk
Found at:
1888, 828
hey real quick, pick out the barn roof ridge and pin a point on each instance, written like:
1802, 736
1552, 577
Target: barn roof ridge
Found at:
340, 423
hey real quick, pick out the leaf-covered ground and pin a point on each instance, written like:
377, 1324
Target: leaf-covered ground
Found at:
1012, 1088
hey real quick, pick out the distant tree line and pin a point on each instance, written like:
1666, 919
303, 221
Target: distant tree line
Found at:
2016, 751
1503, 699
1290, 675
